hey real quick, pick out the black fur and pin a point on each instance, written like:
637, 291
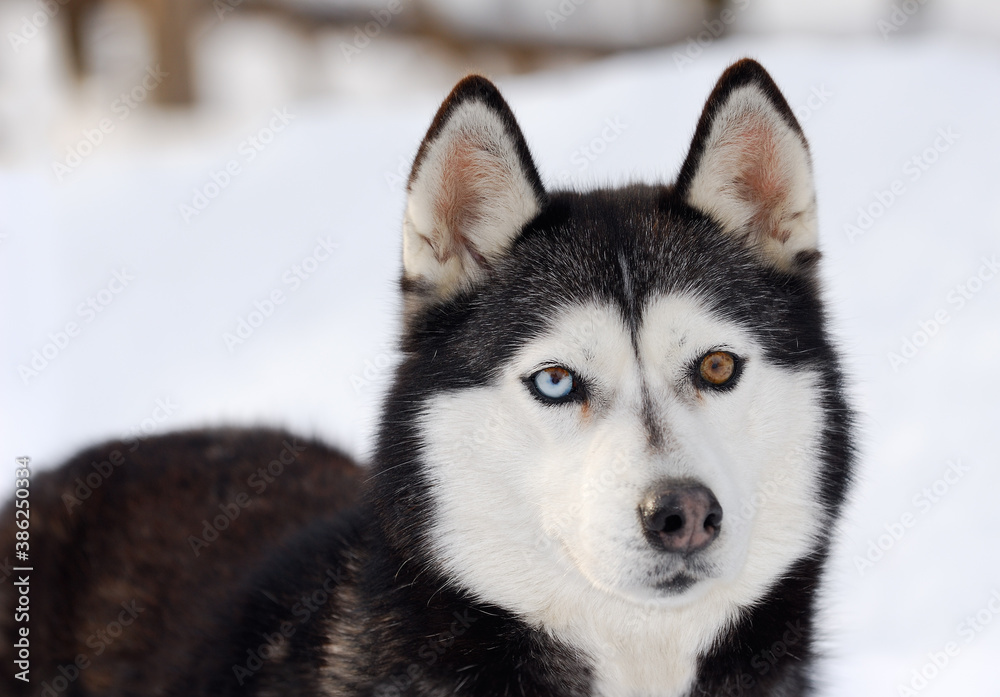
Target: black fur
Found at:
358, 605
129, 540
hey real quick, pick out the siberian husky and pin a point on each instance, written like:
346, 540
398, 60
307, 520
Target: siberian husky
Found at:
610, 463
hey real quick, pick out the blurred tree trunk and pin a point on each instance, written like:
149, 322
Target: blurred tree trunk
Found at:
76, 11
171, 23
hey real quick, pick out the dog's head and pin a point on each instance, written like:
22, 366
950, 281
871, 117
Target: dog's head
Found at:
619, 396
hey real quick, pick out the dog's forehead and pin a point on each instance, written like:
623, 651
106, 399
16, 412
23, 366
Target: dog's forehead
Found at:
624, 249
674, 328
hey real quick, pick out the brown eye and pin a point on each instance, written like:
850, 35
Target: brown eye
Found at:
718, 368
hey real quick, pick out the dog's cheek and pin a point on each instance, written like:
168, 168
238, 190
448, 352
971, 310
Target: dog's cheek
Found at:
784, 511
489, 462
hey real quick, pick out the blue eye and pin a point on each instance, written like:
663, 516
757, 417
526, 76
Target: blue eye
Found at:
554, 385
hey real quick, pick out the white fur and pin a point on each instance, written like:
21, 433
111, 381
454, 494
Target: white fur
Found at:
749, 140
536, 505
470, 197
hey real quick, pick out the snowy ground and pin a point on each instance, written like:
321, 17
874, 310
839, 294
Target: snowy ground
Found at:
920, 269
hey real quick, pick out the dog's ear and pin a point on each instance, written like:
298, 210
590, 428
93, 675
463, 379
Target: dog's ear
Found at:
472, 189
749, 169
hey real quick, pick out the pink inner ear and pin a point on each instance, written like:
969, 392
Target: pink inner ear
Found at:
471, 176
452, 202
761, 178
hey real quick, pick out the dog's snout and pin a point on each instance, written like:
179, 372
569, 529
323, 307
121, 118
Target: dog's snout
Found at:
681, 518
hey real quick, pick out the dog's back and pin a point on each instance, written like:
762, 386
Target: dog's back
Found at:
126, 579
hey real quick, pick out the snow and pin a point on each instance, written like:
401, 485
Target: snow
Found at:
317, 362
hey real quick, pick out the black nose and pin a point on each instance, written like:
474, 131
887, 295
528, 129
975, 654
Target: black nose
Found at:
681, 518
